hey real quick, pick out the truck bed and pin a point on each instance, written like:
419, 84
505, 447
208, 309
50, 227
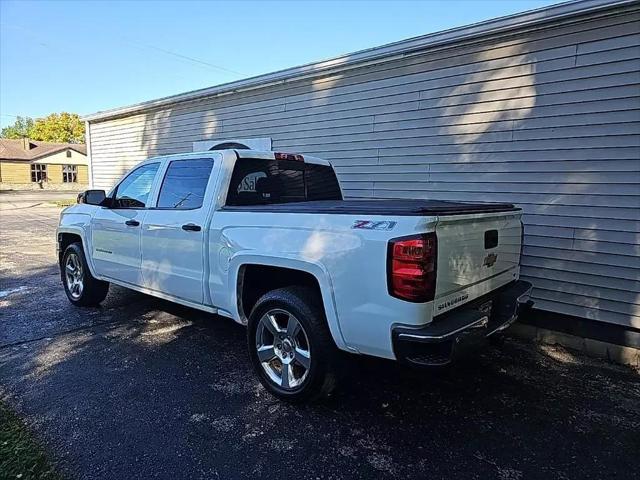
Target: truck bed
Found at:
393, 207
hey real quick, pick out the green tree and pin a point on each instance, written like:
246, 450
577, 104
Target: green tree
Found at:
58, 127
20, 128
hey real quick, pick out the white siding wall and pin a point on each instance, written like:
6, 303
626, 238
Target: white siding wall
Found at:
548, 119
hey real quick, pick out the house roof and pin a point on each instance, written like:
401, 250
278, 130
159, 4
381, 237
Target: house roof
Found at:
531, 19
17, 149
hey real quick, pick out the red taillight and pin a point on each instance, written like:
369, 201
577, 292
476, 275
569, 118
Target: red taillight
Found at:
412, 267
288, 156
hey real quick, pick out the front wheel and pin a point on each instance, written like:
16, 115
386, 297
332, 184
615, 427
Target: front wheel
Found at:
81, 287
290, 345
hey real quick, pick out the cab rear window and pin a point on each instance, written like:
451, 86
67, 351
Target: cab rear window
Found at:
263, 182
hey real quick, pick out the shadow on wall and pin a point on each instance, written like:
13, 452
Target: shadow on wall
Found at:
465, 129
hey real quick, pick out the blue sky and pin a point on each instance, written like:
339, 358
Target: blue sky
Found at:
88, 56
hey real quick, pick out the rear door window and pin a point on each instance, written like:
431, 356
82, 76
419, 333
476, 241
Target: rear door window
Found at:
260, 182
185, 184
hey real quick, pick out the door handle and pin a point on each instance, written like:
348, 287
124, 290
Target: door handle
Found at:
132, 223
191, 227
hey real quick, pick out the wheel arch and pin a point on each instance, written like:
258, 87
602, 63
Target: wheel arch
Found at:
242, 266
65, 236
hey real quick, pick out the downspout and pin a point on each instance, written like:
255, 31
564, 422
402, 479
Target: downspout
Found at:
87, 139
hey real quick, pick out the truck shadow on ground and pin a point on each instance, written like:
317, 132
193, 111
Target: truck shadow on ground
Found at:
175, 386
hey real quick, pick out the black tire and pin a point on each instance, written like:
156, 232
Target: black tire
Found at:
93, 290
306, 306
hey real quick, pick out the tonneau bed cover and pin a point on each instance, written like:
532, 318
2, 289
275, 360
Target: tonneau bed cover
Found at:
400, 207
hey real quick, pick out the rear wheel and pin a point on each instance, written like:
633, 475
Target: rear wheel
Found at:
82, 288
290, 345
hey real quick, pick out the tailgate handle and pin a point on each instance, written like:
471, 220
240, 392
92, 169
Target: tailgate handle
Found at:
490, 239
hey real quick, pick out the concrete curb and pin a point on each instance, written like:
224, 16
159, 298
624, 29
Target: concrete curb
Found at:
594, 348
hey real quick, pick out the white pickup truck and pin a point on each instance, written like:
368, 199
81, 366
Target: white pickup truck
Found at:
267, 239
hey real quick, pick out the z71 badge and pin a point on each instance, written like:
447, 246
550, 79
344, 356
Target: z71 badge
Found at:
374, 225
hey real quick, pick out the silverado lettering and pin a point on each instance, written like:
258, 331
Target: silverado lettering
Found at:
453, 301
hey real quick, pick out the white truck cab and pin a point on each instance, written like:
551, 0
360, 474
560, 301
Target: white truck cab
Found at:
267, 240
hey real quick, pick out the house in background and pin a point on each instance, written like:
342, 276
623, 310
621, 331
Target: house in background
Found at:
28, 164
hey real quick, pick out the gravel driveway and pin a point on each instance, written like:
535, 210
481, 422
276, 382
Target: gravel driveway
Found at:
141, 388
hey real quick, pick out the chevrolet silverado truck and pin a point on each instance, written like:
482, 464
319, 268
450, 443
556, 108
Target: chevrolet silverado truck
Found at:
267, 240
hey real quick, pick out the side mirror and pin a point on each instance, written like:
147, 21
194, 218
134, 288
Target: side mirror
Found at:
92, 197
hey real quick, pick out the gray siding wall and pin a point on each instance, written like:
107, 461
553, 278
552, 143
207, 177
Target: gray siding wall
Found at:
548, 119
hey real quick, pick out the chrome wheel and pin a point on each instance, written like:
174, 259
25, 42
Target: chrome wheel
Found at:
74, 276
283, 349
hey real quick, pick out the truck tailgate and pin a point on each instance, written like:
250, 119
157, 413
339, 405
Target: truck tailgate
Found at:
477, 253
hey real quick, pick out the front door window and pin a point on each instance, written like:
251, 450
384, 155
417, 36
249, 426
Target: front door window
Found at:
134, 190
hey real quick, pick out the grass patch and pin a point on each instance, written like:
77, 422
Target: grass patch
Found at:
21, 457
65, 202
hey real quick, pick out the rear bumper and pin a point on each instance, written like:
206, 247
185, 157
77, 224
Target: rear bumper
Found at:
459, 331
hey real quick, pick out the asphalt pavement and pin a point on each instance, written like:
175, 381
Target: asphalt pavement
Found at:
140, 388
14, 198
